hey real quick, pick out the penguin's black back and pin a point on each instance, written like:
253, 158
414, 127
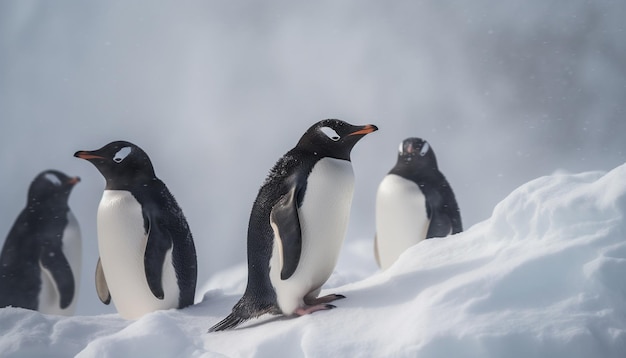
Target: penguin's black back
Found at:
296, 166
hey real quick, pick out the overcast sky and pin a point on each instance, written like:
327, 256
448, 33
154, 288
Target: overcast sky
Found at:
216, 91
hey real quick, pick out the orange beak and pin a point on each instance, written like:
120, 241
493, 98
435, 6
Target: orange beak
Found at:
365, 130
86, 155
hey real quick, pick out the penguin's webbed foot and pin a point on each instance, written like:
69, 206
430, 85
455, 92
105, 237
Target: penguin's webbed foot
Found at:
323, 299
310, 309
318, 304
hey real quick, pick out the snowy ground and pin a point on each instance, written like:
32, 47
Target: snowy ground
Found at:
543, 277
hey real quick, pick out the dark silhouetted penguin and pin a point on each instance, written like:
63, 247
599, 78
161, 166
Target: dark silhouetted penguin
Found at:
414, 202
41, 259
147, 255
298, 223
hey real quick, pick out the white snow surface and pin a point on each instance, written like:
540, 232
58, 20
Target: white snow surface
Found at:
544, 276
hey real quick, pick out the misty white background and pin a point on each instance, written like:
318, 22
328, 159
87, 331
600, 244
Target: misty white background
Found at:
216, 91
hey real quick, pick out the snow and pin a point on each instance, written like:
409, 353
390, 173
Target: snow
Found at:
542, 277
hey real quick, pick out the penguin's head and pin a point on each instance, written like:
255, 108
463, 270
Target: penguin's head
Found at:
121, 163
417, 153
333, 138
51, 185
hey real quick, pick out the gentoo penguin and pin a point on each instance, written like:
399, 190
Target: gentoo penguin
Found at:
414, 202
147, 255
41, 258
298, 223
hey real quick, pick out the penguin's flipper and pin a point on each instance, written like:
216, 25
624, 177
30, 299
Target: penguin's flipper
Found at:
440, 225
439, 222
159, 242
457, 225
101, 285
286, 224
56, 265
444, 213
452, 210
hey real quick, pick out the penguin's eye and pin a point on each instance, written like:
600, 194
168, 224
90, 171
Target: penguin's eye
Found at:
121, 154
425, 149
330, 133
53, 179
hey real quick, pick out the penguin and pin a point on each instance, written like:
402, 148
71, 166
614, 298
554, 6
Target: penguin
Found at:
414, 202
297, 225
40, 263
147, 255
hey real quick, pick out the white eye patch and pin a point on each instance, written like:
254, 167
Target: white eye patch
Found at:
425, 149
330, 133
53, 179
121, 154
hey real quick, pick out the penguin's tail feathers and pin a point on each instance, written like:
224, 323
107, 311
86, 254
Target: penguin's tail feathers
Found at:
243, 311
231, 321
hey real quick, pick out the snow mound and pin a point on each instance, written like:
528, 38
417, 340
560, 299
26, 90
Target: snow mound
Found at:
543, 277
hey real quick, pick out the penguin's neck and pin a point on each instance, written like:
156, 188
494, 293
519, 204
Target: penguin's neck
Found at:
419, 174
127, 183
320, 152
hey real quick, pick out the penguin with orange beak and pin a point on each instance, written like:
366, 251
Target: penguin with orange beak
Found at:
298, 224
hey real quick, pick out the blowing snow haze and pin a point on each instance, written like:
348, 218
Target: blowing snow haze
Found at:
215, 92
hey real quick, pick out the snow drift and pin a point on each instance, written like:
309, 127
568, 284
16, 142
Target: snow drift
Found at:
543, 277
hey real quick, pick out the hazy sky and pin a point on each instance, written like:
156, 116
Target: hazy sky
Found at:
216, 91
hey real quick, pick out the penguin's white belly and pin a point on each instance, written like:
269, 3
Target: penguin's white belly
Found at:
49, 295
401, 218
324, 218
122, 243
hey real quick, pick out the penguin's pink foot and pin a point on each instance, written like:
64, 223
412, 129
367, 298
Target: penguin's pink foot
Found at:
310, 309
323, 299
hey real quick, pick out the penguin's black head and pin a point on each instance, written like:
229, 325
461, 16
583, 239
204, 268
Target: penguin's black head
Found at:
417, 153
51, 185
333, 138
121, 163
